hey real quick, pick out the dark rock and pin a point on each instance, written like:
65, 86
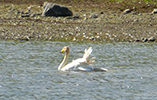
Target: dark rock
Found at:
137, 40
50, 9
101, 12
22, 12
151, 38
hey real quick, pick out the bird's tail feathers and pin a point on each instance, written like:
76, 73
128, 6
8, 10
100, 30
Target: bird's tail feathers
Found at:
91, 60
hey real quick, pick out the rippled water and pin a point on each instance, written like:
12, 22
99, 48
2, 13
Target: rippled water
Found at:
28, 70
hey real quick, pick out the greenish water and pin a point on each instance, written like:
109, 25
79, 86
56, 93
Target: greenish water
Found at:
28, 71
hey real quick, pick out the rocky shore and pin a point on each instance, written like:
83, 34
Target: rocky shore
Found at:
26, 23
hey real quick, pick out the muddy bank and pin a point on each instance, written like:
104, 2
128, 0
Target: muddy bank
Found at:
24, 22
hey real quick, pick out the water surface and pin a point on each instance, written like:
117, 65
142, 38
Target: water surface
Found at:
28, 70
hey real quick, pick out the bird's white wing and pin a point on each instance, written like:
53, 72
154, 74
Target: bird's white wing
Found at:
73, 64
87, 53
79, 61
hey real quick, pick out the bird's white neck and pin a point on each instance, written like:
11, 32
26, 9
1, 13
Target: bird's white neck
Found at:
65, 59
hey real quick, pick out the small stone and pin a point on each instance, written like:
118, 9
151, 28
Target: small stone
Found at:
154, 11
25, 15
126, 11
32, 15
134, 13
144, 39
82, 10
51, 37
76, 16
91, 38
74, 39
26, 38
85, 18
17, 12
69, 17
101, 12
137, 40
94, 16
151, 38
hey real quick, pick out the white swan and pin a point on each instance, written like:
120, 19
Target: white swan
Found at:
80, 64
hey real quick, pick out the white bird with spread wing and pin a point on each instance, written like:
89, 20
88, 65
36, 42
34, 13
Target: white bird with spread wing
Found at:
80, 64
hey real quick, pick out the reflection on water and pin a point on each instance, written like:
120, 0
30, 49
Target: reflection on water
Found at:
28, 70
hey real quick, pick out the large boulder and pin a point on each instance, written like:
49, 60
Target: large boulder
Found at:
51, 9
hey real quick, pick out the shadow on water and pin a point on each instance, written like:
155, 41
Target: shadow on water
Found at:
29, 71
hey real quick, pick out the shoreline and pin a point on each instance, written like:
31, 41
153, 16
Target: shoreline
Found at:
108, 26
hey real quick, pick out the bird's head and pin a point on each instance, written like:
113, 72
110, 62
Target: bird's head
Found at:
65, 49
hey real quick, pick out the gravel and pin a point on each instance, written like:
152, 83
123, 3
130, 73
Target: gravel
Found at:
18, 23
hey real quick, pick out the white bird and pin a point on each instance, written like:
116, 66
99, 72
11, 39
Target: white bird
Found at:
80, 64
